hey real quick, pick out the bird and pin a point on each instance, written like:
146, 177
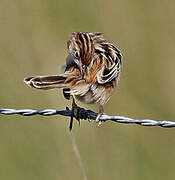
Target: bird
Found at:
92, 72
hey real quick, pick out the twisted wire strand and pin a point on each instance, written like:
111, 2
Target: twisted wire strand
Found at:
84, 114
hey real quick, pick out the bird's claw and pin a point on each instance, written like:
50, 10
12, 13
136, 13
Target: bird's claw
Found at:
97, 120
74, 114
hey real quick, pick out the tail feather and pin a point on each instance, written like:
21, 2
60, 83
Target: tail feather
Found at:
46, 82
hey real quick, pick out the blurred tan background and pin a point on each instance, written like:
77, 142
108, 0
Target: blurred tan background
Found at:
33, 37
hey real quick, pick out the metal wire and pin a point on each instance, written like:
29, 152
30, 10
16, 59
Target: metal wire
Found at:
87, 115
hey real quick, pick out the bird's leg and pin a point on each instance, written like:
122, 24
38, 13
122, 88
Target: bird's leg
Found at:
100, 113
75, 109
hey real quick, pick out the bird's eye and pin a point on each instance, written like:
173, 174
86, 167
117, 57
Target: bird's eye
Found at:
77, 54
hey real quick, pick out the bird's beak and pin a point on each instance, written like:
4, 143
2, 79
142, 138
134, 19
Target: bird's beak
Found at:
79, 64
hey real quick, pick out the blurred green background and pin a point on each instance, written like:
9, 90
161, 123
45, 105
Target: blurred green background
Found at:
33, 37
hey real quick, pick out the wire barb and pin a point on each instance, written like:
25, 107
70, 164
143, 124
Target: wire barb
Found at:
87, 115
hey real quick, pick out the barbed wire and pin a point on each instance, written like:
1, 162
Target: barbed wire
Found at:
84, 114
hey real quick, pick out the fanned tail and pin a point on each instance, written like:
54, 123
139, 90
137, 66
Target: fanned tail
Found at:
46, 82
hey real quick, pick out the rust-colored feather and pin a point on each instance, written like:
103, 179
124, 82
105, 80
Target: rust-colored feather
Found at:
45, 82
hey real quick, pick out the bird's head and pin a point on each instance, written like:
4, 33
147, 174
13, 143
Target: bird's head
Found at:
81, 46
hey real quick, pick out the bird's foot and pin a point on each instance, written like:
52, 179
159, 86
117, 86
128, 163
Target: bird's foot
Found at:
101, 112
75, 114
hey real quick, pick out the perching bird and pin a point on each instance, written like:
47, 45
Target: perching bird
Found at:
91, 74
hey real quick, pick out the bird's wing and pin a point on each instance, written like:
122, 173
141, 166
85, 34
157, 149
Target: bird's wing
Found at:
112, 57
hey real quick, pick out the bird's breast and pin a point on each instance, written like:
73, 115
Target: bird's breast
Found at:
95, 94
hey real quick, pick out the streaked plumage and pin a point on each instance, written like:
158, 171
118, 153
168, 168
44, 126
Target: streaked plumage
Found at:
92, 70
